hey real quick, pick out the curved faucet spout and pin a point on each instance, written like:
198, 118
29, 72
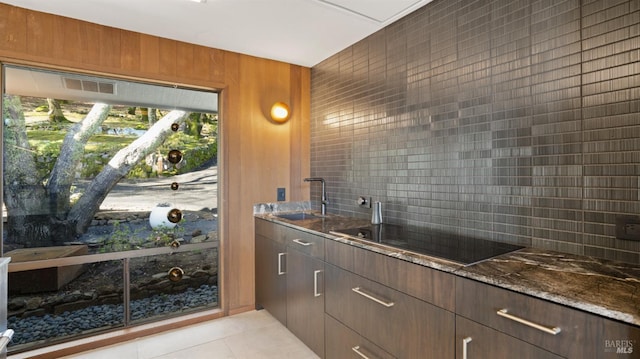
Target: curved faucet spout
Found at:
324, 201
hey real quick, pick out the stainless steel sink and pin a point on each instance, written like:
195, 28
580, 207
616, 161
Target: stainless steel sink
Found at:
297, 216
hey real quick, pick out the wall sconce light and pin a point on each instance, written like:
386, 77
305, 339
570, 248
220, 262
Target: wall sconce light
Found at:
280, 112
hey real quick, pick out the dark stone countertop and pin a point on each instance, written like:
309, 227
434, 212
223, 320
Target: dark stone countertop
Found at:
606, 288
610, 289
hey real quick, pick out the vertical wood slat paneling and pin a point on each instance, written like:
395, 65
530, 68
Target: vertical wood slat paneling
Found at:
13, 29
149, 50
111, 51
184, 60
72, 46
255, 155
167, 56
300, 132
130, 55
218, 69
90, 43
264, 84
228, 159
200, 63
57, 38
40, 27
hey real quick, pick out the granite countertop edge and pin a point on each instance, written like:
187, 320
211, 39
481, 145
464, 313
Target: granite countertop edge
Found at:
529, 271
555, 298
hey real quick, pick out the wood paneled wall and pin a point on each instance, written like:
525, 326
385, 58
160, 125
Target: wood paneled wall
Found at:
255, 155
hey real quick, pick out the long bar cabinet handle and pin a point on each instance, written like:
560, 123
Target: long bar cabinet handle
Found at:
549, 330
302, 243
280, 271
369, 296
357, 350
315, 283
465, 343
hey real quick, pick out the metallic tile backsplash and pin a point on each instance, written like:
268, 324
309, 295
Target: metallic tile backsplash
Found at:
517, 121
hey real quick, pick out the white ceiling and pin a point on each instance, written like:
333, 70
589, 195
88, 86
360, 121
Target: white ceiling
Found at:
302, 32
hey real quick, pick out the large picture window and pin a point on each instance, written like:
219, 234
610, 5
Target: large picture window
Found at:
109, 203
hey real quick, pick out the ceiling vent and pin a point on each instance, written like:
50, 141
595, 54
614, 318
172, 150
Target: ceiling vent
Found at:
89, 85
35, 82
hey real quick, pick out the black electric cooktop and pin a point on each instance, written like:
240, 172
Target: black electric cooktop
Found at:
463, 250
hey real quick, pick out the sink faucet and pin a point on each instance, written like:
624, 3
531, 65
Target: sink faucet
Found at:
323, 201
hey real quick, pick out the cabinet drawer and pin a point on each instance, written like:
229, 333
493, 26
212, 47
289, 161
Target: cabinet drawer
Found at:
616, 340
307, 243
344, 343
400, 324
430, 285
268, 229
478, 341
529, 319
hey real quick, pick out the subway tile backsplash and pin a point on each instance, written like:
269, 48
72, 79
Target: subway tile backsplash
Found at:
516, 121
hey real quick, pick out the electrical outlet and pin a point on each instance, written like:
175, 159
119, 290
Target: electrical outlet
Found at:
281, 194
628, 227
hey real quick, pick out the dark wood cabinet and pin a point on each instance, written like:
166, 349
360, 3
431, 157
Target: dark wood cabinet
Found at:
290, 280
555, 328
270, 272
304, 242
344, 343
475, 341
402, 325
344, 301
404, 308
430, 285
617, 340
305, 299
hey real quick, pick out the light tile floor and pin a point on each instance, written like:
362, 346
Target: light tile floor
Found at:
250, 335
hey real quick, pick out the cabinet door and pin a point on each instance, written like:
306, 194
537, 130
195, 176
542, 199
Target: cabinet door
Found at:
305, 299
475, 341
271, 281
402, 325
344, 343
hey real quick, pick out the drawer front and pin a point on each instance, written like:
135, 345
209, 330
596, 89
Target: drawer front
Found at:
268, 229
432, 286
307, 243
400, 324
529, 319
618, 340
340, 254
344, 343
475, 341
